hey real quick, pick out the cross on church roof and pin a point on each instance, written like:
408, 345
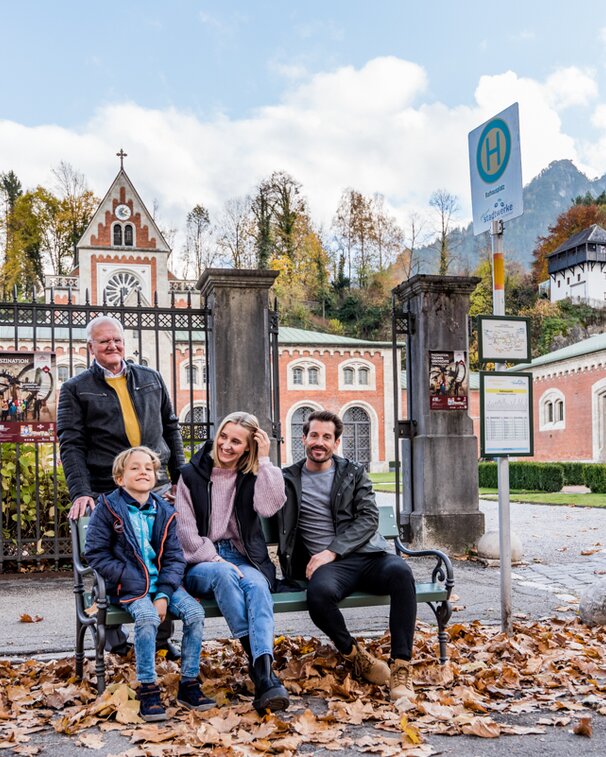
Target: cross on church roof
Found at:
122, 155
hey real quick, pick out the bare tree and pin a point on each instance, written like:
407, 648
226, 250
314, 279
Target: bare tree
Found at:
234, 233
387, 236
446, 206
199, 251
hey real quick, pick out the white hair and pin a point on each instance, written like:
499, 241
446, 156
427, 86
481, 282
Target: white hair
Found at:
98, 321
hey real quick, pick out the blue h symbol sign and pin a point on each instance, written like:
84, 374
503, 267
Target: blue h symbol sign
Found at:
490, 151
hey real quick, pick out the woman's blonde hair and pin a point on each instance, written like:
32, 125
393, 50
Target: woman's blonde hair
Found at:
249, 460
121, 460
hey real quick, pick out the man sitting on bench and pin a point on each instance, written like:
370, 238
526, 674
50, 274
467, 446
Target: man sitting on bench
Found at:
329, 535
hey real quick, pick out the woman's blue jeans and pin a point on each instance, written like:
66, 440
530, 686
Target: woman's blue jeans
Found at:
147, 620
245, 603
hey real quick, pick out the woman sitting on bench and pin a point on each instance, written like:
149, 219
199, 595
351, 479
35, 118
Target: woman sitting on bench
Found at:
222, 492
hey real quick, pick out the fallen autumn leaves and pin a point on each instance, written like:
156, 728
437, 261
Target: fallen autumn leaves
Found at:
556, 669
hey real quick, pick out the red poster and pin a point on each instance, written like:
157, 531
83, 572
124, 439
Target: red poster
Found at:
28, 405
448, 380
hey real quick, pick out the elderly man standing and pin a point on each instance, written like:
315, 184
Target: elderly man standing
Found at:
106, 409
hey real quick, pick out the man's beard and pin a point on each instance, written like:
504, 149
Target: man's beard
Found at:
309, 451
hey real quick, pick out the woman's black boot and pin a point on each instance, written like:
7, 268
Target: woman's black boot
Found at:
269, 692
245, 641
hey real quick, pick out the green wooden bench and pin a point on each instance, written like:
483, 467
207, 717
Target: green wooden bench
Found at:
89, 591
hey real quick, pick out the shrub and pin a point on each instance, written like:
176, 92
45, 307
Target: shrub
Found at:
595, 477
542, 477
574, 473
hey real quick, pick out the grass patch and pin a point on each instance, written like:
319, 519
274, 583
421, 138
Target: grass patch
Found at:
384, 482
549, 498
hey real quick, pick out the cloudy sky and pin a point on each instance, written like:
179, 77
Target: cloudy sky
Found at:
209, 97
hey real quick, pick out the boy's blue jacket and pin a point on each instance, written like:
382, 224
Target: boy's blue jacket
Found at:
113, 550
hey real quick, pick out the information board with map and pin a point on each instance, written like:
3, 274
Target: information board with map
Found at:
503, 339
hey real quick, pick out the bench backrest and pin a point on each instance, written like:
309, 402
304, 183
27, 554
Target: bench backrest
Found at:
387, 525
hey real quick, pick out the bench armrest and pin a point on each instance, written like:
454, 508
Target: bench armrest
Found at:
442, 571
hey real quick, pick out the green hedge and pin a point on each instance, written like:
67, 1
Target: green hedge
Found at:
541, 477
574, 473
595, 477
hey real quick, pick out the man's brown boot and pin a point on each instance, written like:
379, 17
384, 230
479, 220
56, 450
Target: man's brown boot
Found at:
368, 667
400, 681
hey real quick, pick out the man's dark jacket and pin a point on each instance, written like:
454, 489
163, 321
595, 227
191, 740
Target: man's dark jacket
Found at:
91, 428
196, 476
112, 548
354, 511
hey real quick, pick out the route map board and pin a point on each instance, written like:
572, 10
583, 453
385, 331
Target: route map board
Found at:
503, 338
506, 423
27, 396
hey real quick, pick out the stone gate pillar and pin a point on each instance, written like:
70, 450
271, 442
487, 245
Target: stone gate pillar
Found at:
444, 507
238, 341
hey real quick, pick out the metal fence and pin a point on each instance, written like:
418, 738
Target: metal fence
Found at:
33, 494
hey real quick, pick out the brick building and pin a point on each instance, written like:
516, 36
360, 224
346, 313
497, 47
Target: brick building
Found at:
569, 398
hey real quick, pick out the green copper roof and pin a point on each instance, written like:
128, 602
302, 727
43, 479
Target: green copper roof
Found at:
595, 343
288, 335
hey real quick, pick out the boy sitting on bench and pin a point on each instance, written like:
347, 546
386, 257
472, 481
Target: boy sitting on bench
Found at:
132, 542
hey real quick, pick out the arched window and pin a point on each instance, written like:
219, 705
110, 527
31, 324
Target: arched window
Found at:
62, 373
199, 415
313, 376
118, 235
120, 285
193, 374
296, 431
128, 235
357, 374
297, 376
551, 410
356, 436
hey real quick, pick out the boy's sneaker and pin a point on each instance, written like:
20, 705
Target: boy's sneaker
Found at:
150, 708
367, 666
190, 695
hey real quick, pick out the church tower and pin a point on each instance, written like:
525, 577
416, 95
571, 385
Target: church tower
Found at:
122, 251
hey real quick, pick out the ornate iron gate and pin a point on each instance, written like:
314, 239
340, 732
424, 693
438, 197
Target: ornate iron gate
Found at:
33, 497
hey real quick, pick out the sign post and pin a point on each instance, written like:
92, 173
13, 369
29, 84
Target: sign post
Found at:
496, 195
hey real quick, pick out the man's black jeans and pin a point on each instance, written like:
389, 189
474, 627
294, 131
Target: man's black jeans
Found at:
373, 573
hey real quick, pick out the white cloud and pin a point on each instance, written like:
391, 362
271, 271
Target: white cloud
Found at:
571, 86
372, 128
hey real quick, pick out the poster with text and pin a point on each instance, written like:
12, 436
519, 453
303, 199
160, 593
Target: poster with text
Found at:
28, 407
448, 380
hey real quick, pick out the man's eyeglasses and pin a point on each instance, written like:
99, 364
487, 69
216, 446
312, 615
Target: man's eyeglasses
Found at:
106, 342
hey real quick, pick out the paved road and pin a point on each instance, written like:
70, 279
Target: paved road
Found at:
553, 575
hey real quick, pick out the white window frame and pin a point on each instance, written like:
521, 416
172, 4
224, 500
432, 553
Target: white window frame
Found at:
551, 400
200, 365
305, 364
357, 365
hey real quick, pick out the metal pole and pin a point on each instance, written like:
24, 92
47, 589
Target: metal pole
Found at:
498, 306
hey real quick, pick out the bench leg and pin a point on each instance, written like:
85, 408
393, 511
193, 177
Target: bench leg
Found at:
80, 634
443, 612
100, 658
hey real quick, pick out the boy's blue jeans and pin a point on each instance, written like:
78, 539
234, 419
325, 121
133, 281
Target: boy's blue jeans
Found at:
245, 603
147, 620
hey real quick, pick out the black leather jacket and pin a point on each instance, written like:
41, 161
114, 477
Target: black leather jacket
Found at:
355, 516
91, 428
